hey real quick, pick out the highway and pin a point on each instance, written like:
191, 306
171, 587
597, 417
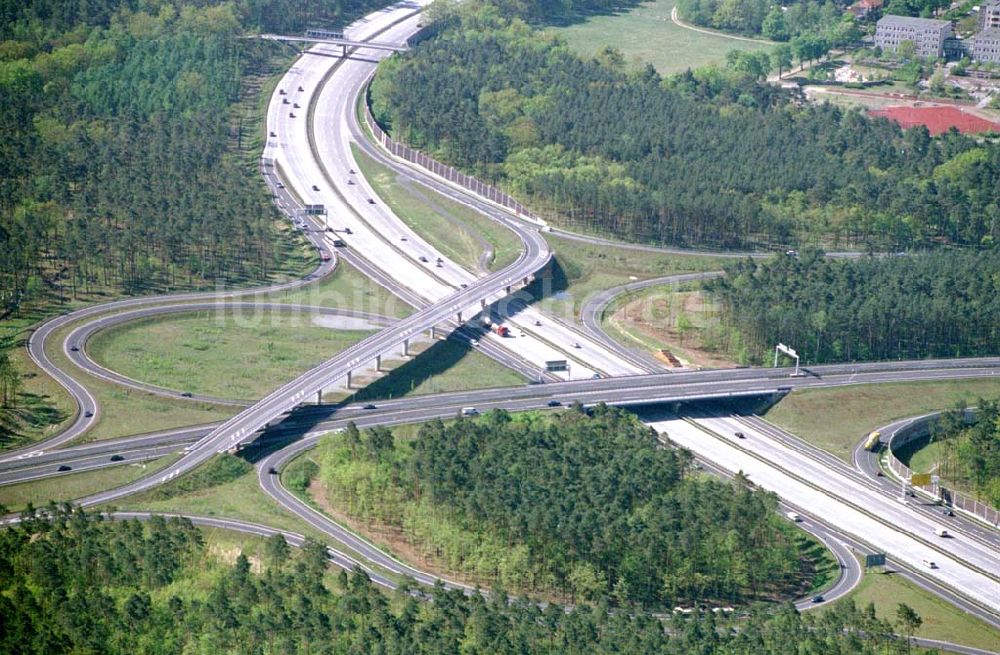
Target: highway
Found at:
320, 150
305, 175
967, 566
867, 463
635, 391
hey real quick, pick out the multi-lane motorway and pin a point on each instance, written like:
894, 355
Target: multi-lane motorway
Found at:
312, 150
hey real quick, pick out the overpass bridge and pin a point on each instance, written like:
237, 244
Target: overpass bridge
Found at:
333, 38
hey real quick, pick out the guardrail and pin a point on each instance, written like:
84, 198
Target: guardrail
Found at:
452, 175
919, 428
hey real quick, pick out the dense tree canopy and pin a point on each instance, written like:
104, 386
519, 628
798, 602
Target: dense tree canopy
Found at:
125, 160
944, 304
74, 583
588, 506
824, 20
973, 453
706, 157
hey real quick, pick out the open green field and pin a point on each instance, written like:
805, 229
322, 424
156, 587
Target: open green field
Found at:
646, 33
346, 288
236, 355
838, 419
459, 232
76, 485
584, 269
942, 620
125, 412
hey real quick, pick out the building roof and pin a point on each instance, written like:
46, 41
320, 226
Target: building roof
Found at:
862, 7
992, 33
891, 20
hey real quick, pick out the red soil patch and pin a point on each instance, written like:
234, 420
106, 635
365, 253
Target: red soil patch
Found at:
937, 119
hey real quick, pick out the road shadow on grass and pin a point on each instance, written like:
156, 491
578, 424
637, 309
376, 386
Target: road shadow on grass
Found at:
403, 380
437, 359
29, 418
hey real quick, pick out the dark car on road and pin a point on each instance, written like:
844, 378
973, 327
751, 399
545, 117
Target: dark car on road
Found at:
64, 467
116, 458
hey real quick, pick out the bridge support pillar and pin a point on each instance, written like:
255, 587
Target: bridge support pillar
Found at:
508, 289
343, 51
406, 347
378, 362
526, 281
459, 317
433, 333
349, 379
482, 303
319, 397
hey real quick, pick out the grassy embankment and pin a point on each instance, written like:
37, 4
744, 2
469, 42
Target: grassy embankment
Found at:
76, 485
237, 355
838, 419
646, 33
941, 620
459, 232
225, 487
584, 269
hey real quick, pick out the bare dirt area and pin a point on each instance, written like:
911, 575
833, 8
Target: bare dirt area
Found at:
678, 321
937, 119
940, 111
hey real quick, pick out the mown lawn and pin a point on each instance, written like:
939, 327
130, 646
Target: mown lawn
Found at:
837, 419
459, 232
646, 33
236, 355
941, 620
